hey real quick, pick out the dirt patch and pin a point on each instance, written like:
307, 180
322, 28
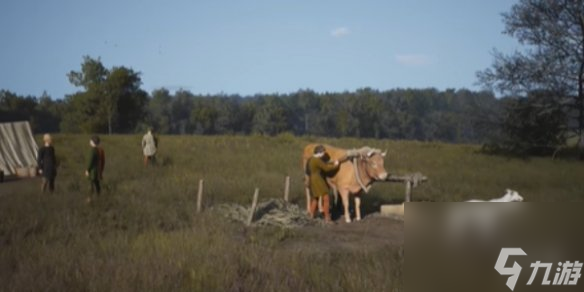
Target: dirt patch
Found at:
372, 233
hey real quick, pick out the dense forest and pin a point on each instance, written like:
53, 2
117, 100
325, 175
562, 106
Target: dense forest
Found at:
414, 114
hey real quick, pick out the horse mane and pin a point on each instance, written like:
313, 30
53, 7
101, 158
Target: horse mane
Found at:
366, 151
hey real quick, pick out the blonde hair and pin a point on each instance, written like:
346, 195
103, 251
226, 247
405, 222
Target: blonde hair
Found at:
47, 138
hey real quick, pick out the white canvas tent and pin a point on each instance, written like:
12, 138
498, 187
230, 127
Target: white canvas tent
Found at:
18, 149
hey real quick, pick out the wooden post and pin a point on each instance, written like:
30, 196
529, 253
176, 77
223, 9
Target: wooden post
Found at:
307, 190
408, 190
200, 196
287, 189
411, 180
253, 206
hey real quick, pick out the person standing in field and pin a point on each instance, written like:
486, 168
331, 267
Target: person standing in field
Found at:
149, 145
317, 168
96, 164
47, 163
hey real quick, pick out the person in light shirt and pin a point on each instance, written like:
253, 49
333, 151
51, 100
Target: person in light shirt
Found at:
149, 145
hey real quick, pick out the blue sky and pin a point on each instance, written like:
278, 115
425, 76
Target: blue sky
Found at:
253, 46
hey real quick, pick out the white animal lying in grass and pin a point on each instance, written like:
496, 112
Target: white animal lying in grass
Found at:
510, 196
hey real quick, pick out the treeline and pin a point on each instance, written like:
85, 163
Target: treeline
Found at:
459, 116
110, 100
454, 116
43, 113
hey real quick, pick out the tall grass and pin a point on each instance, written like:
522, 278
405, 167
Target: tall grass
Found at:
143, 233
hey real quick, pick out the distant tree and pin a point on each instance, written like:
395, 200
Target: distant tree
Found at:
553, 59
271, 117
245, 116
478, 112
81, 114
347, 124
371, 110
82, 109
205, 114
307, 109
324, 123
228, 112
14, 107
411, 110
181, 108
49, 113
43, 113
124, 103
111, 100
159, 111
533, 125
92, 74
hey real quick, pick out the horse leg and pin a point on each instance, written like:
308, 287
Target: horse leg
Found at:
335, 200
345, 198
357, 207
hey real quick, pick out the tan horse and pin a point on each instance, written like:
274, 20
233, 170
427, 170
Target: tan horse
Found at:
353, 177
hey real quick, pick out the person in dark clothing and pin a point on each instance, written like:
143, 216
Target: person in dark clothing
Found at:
47, 163
96, 164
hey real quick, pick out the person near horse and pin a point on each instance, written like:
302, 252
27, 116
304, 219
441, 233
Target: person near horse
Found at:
317, 168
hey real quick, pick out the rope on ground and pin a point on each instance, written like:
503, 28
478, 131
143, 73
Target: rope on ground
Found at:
272, 212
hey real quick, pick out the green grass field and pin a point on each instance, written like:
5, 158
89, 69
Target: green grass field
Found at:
143, 232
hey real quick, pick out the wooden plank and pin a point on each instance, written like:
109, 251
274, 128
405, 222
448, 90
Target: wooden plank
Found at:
392, 209
403, 178
411, 181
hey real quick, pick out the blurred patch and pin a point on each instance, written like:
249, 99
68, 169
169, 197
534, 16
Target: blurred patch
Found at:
455, 246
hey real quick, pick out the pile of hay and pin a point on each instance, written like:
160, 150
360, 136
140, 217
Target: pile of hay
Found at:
273, 212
